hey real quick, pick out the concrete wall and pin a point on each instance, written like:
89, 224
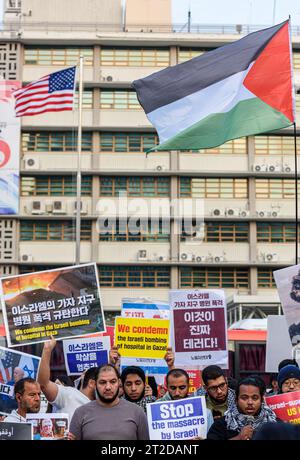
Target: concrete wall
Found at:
148, 15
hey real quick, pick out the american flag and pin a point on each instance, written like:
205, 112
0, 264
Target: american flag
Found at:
7, 364
52, 93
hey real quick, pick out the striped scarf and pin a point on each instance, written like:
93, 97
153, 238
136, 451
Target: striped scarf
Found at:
236, 421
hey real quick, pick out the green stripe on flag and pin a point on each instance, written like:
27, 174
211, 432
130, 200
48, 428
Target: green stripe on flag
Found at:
251, 116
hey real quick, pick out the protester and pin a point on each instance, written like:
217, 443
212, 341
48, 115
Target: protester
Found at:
64, 399
28, 396
9, 402
109, 417
273, 385
289, 379
286, 362
244, 417
135, 389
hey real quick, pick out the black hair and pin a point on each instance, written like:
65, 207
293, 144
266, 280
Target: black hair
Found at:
254, 381
19, 386
153, 385
287, 362
90, 374
177, 373
133, 370
65, 380
106, 367
273, 377
212, 372
232, 383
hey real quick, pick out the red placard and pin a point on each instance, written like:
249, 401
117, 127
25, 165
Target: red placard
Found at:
286, 406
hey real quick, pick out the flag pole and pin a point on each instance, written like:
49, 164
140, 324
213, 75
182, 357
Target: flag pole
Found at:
296, 192
78, 189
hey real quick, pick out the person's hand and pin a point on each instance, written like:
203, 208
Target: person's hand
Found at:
170, 357
148, 390
246, 433
50, 345
114, 356
71, 436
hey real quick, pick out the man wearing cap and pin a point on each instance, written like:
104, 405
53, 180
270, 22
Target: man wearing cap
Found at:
289, 379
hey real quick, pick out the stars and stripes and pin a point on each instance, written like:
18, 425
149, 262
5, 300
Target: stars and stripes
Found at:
51, 93
7, 364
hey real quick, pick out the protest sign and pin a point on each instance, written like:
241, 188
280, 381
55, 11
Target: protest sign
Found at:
14, 365
286, 406
48, 426
195, 381
64, 302
146, 338
199, 327
84, 353
146, 308
278, 345
288, 286
10, 431
181, 419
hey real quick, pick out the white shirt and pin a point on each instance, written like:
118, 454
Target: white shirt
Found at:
68, 399
14, 417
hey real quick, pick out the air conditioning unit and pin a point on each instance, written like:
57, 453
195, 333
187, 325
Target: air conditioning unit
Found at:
274, 168
218, 259
59, 207
260, 168
231, 212
142, 254
187, 257
48, 208
216, 212
287, 169
108, 78
274, 213
200, 259
271, 257
37, 207
262, 213
244, 213
83, 207
161, 258
32, 163
160, 168
26, 258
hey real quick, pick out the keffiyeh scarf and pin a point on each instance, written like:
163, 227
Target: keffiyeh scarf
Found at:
236, 421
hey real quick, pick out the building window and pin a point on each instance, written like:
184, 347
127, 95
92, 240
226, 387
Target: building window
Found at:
47, 141
134, 186
184, 54
275, 188
265, 278
146, 277
275, 145
270, 232
134, 57
127, 142
214, 278
24, 269
296, 60
136, 230
213, 187
119, 99
54, 186
54, 231
57, 56
226, 231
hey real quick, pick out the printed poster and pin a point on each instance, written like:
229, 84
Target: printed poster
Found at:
278, 346
288, 286
146, 308
48, 426
14, 365
286, 406
138, 338
182, 419
199, 327
64, 302
82, 354
10, 431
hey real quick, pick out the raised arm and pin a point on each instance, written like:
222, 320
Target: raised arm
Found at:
170, 358
49, 388
115, 357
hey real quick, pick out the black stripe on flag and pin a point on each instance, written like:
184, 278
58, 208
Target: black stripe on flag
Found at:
169, 85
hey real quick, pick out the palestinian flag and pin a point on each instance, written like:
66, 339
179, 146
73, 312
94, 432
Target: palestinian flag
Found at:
239, 89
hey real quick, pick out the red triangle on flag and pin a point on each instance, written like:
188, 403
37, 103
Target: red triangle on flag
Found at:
270, 77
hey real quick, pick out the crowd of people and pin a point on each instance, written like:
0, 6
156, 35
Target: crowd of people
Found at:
109, 405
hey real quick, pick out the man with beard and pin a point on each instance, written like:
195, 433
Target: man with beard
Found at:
28, 396
135, 388
109, 417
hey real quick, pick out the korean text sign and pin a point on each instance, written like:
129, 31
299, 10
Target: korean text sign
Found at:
82, 354
63, 302
286, 406
199, 327
146, 338
174, 420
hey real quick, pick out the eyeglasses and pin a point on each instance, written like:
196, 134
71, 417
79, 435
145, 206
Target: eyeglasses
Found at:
215, 388
294, 382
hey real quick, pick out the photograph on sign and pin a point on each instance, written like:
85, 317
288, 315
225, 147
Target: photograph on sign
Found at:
288, 286
63, 303
49, 426
10, 431
278, 346
181, 419
199, 327
84, 353
146, 308
141, 338
14, 365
